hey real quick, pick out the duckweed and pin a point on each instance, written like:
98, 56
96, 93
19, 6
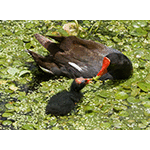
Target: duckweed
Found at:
25, 89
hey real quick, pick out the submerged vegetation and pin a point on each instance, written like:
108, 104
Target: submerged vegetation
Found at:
25, 89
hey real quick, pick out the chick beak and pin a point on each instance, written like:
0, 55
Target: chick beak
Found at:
80, 80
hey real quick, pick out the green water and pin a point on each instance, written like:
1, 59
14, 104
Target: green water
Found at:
25, 89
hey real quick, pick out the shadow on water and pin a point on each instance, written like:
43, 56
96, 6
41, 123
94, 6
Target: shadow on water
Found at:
38, 77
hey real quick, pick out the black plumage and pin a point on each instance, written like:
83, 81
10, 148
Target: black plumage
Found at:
63, 102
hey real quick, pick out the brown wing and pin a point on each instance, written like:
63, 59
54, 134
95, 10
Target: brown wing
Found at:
80, 56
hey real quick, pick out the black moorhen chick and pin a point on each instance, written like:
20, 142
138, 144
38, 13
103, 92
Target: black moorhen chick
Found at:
74, 57
63, 102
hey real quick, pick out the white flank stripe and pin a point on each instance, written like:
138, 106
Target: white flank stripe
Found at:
75, 66
46, 70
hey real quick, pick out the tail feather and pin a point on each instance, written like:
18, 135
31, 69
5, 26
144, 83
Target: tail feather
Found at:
43, 40
45, 63
52, 47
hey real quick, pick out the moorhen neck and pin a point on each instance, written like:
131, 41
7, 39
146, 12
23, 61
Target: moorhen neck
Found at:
74, 57
63, 102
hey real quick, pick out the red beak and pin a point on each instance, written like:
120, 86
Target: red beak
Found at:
106, 63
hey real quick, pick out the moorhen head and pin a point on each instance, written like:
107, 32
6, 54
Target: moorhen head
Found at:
74, 57
115, 66
63, 102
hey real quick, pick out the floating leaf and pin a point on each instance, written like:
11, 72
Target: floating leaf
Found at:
118, 107
138, 32
23, 72
105, 125
144, 86
106, 107
28, 127
135, 92
123, 113
147, 112
142, 23
121, 95
146, 103
147, 79
12, 71
104, 94
29, 25
55, 128
135, 25
7, 114
28, 45
7, 122
88, 109
7, 32
116, 39
142, 125
13, 87
9, 106
62, 32
132, 99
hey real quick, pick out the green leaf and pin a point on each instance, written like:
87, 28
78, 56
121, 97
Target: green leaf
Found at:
135, 25
116, 39
96, 78
132, 99
123, 113
7, 114
29, 25
144, 86
121, 95
28, 127
12, 71
146, 103
135, 91
9, 106
147, 79
147, 112
28, 45
6, 122
23, 72
138, 32
142, 23
62, 32
88, 109
104, 94
13, 87
105, 125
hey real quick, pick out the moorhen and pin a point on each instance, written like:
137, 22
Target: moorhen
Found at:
63, 102
74, 57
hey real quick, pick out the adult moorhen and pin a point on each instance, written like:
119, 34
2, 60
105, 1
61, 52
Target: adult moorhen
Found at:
74, 57
63, 102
